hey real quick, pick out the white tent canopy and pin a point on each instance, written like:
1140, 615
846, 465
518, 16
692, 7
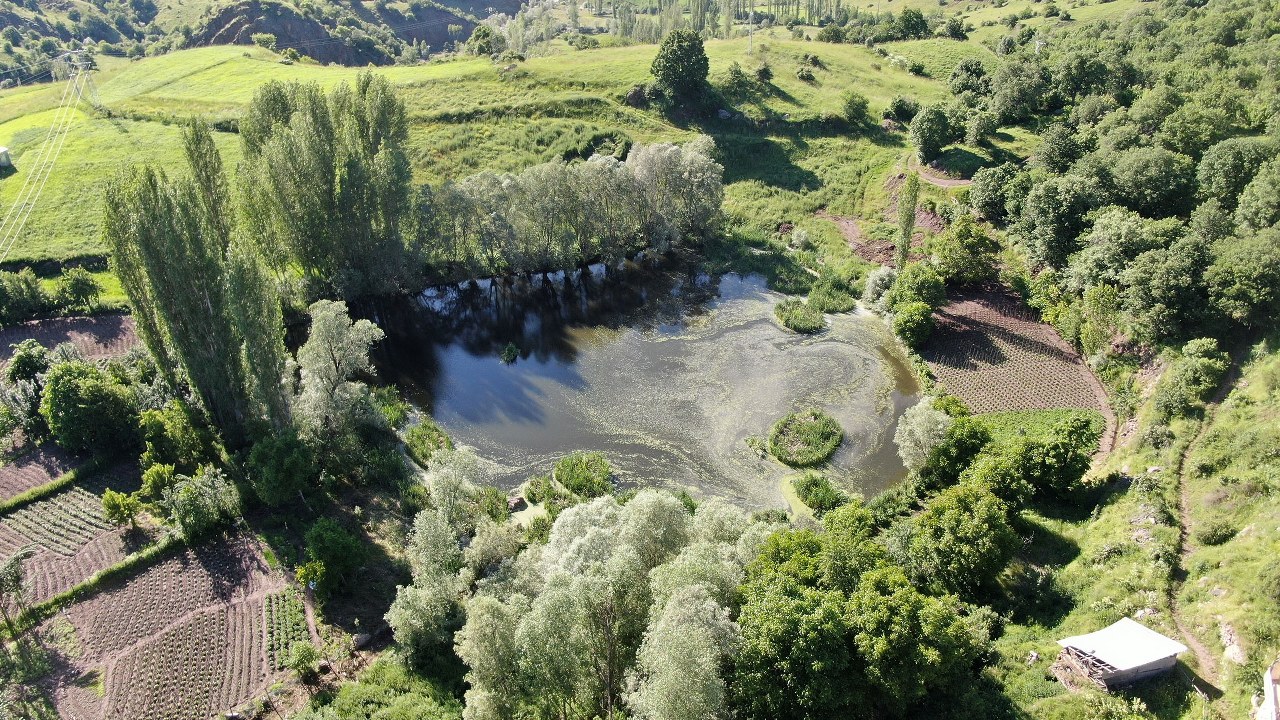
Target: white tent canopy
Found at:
1125, 645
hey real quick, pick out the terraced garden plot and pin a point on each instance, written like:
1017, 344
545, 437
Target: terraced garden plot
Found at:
102, 336
72, 537
994, 354
62, 523
38, 467
286, 624
185, 638
199, 668
214, 574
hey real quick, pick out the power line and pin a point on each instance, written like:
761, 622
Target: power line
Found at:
43, 172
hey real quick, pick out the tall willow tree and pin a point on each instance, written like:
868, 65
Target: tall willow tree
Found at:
326, 185
206, 311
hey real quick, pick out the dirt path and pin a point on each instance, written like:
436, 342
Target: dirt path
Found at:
1206, 660
931, 176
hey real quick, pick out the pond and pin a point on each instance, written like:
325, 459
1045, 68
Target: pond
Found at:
666, 370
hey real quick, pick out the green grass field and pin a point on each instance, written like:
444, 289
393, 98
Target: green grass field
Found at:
468, 115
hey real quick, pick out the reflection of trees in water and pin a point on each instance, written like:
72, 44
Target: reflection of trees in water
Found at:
536, 313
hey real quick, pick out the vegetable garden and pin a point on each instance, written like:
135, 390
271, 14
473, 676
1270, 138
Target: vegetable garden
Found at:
185, 638
97, 337
286, 624
993, 353
38, 467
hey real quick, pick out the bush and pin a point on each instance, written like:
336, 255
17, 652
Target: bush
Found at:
424, 439
799, 316
280, 468
200, 503
88, 411
1191, 380
78, 288
913, 323
804, 74
172, 438
854, 106
680, 67
805, 438
30, 360
816, 491
340, 552
392, 407
1216, 533
120, 508
964, 439
902, 108
918, 282
158, 480
586, 474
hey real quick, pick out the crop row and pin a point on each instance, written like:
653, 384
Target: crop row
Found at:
286, 624
48, 573
995, 356
216, 573
62, 523
203, 666
38, 467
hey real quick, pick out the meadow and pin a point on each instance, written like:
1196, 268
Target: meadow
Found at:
784, 159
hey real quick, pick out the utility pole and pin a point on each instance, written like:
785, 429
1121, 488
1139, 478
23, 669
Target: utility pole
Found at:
751, 26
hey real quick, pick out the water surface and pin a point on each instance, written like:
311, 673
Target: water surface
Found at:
665, 371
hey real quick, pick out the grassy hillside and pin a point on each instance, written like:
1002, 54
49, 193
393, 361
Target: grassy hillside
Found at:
468, 115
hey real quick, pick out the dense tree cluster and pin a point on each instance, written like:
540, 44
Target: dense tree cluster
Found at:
559, 215
1150, 210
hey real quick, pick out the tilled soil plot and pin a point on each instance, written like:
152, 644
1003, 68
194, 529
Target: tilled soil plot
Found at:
38, 467
100, 336
181, 640
992, 352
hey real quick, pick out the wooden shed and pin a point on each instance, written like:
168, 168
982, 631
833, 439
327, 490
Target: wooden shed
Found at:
1120, 654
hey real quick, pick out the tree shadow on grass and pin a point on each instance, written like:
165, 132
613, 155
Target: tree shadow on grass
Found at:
1174, 694
767, 160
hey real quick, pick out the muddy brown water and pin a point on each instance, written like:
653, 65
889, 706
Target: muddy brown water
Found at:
667, 371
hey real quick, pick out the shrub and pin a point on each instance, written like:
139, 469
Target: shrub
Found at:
78, 288
392, 407
586, 474
30, 360
680, 67
799, 316
172, 438
902, 108
964, 439
338, 550
158, 480
281, 467
424, 439
120, 508
200, 503
804, 74
816, 491
88, 411
913, 323
1216, 533
806, 438
854, 106
879, 282
918, 282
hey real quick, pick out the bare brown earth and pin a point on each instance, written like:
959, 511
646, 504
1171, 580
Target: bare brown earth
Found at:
992, 352
880, 252
182, 640
98, 337
37, 467
72, 538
